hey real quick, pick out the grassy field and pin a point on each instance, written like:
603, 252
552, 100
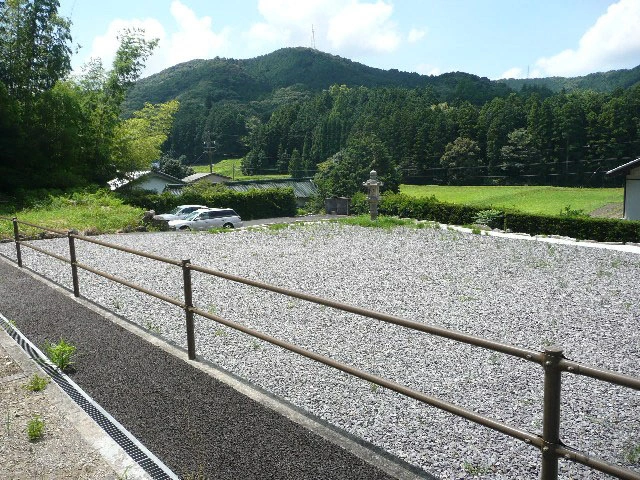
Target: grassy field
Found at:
545, 200
231, 168
95, 212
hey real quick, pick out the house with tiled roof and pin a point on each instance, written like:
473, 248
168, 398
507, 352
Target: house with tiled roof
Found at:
144, 180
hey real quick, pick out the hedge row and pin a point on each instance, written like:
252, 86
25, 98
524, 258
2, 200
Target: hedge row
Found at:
579, 227
250, 205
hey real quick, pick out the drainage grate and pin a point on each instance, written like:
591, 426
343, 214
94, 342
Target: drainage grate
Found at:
138, 452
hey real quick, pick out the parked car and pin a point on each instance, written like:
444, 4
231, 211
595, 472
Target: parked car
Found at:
207, 218
180, 212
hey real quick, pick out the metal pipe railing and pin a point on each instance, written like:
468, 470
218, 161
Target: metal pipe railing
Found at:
383, 382
523, 353
552, 360
170, 261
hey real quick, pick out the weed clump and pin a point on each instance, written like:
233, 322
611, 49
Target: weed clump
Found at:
60, 354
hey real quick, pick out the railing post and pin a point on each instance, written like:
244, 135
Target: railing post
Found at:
74, 266
16, 236
551, 412
188, 301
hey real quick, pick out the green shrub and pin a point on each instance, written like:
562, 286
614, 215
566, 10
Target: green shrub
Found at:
573, 213
37, 383
574, 225
250, 205
60, 354
491, 218
598, 229
35, 428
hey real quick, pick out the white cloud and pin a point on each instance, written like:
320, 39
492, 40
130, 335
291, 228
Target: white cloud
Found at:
193, 38
415, 35
343, 27
105, 46
365, 27
515, 72
427, 69
264, 36
612, 42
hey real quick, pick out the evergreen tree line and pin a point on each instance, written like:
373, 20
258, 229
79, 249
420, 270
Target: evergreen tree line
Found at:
58, 131
531, 137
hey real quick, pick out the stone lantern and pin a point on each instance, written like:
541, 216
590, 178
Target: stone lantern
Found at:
373, 184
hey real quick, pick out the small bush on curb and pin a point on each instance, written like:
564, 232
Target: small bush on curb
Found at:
37, 383
60, 354
490, 218
35, 428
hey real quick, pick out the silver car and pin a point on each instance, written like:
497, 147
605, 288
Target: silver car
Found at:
205, 219
180, 212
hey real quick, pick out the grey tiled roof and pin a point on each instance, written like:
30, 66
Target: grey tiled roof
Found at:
302, 188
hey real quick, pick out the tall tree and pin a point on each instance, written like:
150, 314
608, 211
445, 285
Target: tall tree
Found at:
461, 159
34, 46
138, 140
344, 172
518, 156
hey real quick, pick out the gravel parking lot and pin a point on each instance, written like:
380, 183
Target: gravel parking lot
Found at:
526, 293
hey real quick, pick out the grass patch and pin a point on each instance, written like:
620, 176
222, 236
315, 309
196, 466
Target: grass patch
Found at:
276, 227
60, 354
543, 199
231, 167
383, 222
37, 383
476, 470
95, 212
35, 428
632, 453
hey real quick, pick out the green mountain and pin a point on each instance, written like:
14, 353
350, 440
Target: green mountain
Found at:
600, 82
223, 95
220, 95
299, 69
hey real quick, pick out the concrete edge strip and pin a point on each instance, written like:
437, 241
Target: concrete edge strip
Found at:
366, 451
131, 445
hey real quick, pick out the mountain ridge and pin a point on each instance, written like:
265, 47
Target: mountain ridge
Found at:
313, 70
224, 95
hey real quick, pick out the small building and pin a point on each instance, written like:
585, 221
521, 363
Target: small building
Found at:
303, 188
144, 180
631, 188
206, 177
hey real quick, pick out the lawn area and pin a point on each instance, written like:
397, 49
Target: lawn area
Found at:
231, 168
544, 200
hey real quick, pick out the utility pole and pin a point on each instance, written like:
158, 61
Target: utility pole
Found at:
209, 148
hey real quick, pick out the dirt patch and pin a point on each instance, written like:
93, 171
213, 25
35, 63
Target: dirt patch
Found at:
612, 210
60, 453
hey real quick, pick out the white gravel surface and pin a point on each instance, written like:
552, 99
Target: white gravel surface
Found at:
527, 293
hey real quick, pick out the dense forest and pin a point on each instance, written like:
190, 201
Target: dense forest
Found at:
294, 110
58, 131
297, 111
524, 138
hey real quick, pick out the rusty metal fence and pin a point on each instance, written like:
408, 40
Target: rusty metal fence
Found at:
551, 359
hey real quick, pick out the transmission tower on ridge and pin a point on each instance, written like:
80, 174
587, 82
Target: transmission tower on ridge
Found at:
313, 37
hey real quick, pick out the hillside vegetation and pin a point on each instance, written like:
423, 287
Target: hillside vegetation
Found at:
600, 82
295, 111
93, 212
303, 112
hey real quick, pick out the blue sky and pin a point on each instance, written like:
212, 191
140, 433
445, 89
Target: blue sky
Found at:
490, 38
